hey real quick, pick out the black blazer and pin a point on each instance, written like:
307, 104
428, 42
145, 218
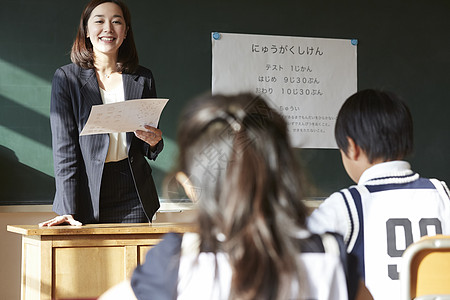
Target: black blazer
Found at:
79, 160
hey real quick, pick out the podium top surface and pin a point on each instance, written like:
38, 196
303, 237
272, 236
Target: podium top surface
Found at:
120, 228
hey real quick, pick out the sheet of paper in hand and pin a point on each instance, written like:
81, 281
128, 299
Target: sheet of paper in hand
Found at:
126, 116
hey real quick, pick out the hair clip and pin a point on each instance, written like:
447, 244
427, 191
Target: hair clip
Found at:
235, 117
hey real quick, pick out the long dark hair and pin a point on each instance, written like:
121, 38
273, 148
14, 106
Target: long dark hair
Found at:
236, 151
82, 53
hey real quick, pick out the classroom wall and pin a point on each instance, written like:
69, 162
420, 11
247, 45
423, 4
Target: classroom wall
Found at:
403, 46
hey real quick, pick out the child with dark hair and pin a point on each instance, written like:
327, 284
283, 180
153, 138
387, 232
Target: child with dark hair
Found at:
391, 206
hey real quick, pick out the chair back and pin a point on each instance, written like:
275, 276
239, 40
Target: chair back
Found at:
425, 272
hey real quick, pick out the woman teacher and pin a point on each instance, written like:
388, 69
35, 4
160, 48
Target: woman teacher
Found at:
102, 178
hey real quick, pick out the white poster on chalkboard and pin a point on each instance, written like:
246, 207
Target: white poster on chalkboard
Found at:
305, 79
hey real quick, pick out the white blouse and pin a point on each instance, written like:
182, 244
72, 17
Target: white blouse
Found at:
117, 140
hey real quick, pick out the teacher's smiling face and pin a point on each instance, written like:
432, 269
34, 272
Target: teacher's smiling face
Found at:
106, 29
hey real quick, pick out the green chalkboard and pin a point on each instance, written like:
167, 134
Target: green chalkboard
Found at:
403, 47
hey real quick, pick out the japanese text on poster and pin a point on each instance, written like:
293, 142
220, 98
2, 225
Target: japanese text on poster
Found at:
306, 79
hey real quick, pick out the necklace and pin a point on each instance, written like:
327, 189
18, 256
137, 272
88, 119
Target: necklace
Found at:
105, 75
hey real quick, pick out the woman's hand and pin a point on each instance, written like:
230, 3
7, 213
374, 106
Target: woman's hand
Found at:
61, 220
151, 136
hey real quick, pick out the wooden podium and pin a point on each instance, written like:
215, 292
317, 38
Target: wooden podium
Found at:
68, 262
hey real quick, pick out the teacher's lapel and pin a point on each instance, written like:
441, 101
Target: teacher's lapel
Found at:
89, 87
90, 95
133, 86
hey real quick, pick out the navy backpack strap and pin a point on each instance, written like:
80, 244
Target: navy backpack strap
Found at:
157, 278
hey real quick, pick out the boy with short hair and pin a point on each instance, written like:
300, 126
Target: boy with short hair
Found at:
391, 206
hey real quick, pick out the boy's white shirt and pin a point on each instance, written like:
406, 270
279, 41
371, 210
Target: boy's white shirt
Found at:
328, 216
397, 204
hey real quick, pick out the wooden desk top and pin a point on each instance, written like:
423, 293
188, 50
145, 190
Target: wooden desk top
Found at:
122, 228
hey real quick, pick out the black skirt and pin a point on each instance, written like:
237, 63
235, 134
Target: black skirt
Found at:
119, 200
